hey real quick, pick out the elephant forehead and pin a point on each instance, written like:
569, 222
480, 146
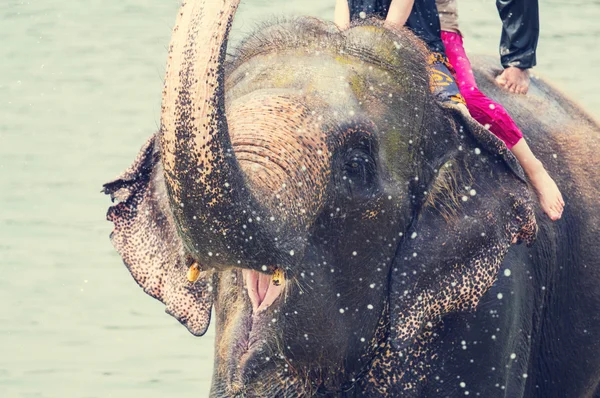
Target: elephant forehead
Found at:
281, 146
309, 71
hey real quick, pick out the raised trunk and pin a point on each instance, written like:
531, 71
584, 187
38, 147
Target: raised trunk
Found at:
211, 204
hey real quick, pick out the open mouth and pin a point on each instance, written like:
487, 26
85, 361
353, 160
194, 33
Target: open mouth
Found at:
263, 289
250, 350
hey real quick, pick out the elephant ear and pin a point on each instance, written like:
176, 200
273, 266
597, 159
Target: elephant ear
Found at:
476, 205
145, 236
485, 139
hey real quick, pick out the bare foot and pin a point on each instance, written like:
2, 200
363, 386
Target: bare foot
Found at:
515, 80
548, 193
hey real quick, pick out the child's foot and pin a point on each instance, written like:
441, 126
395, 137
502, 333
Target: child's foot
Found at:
548, 193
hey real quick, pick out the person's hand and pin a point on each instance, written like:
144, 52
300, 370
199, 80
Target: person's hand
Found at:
341, 15
398, 14
393, 26
343, 26
515, 80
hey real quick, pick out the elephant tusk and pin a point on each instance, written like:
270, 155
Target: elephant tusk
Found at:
193, 272
278, 277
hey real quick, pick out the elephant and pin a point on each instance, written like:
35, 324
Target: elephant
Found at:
355, 236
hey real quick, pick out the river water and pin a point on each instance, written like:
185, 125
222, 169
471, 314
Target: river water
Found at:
80, 85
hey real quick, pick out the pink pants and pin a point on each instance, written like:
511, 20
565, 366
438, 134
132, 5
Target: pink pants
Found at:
483, 109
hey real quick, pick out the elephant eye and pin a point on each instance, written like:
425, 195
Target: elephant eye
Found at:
359, 174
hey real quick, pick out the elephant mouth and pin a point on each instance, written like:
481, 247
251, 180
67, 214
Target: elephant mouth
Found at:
249, 354
263, 289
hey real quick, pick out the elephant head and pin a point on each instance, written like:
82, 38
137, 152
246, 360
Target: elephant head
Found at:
335, 210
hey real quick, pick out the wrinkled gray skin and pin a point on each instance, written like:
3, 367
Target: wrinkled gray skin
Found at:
323, 154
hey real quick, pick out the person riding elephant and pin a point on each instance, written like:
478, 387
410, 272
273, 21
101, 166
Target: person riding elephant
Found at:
450, 62
518, 45
352, 233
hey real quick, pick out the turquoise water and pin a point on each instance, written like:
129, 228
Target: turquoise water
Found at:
80, 86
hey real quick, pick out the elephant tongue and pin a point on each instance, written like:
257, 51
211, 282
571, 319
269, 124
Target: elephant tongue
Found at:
263, 289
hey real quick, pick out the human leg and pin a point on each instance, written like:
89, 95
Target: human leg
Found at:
548, 193
493, 116
487, 112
